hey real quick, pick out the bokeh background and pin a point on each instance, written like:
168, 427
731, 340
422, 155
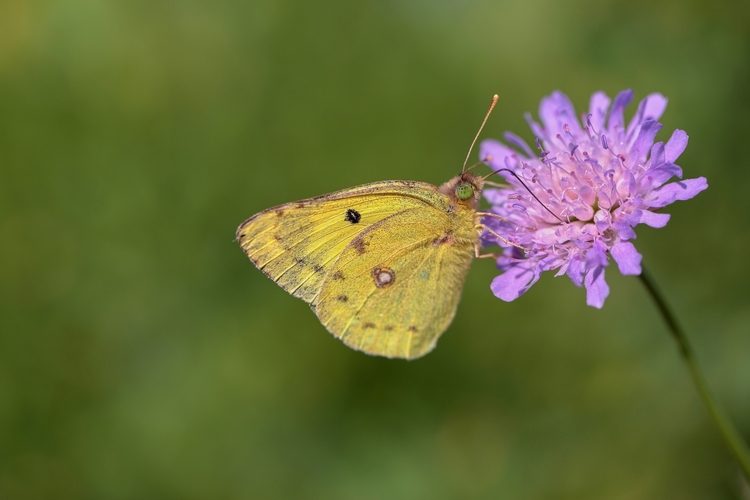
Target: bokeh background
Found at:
143, 356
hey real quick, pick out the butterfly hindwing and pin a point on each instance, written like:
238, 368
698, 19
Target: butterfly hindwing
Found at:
396, 286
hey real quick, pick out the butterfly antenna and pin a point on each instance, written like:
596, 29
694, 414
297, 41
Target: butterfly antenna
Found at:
484, 161
492, 105
527, 189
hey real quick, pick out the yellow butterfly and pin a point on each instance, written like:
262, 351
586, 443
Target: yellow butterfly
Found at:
381, 264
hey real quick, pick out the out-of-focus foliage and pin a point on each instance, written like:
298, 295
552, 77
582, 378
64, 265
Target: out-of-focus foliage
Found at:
143, 356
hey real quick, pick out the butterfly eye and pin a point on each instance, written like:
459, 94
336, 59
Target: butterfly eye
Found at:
464, 192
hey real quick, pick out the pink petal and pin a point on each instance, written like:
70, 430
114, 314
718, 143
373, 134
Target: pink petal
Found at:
627, 257
587, 194
575, 270
655, 106
627, 184
657, 155
496, 196
556, 111
515, 281
497, 150
675, 191
675, 145
596, 255
645, 140
596, 288
519, 143
649, 218
616, 123
624, 231
534, 126
657, 176
652, 107
598, 110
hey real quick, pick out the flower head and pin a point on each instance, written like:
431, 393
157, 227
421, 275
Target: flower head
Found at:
575, 204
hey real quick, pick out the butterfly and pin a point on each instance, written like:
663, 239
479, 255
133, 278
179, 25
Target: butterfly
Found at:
382, 264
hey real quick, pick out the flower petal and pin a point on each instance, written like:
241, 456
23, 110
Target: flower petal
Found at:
675, 191
603, 220
516, 280
616, 123
649, 218
657, 155
556, 111
497, 150
655, 106
627, 257
576, 269
496, 196
596, 255
675, 145
657, 176
534, 126
624, 230
519, 143
627, 185
652, 107
598, 106
646, 135
597, 289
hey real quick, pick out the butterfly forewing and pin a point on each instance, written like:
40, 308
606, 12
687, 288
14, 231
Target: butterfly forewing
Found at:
297, 244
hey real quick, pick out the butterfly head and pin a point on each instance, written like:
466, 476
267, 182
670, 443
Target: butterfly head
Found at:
465, 189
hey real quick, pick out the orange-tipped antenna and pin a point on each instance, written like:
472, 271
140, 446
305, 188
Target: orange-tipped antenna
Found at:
492, 105
483, 161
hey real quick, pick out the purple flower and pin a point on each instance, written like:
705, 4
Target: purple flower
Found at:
592, 182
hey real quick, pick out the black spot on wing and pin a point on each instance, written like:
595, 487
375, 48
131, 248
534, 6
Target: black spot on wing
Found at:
352, 216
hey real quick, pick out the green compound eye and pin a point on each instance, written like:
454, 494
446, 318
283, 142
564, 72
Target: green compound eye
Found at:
464, 192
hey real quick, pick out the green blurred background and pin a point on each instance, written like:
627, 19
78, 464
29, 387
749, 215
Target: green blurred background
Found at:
143, 356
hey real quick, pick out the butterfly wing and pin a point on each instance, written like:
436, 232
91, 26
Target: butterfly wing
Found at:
297, 244
396, 286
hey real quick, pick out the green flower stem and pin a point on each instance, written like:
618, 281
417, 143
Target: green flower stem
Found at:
732, 438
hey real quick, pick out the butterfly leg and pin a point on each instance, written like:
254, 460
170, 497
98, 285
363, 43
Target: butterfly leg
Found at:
482, 227
500, 217
484, 255
495, 216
